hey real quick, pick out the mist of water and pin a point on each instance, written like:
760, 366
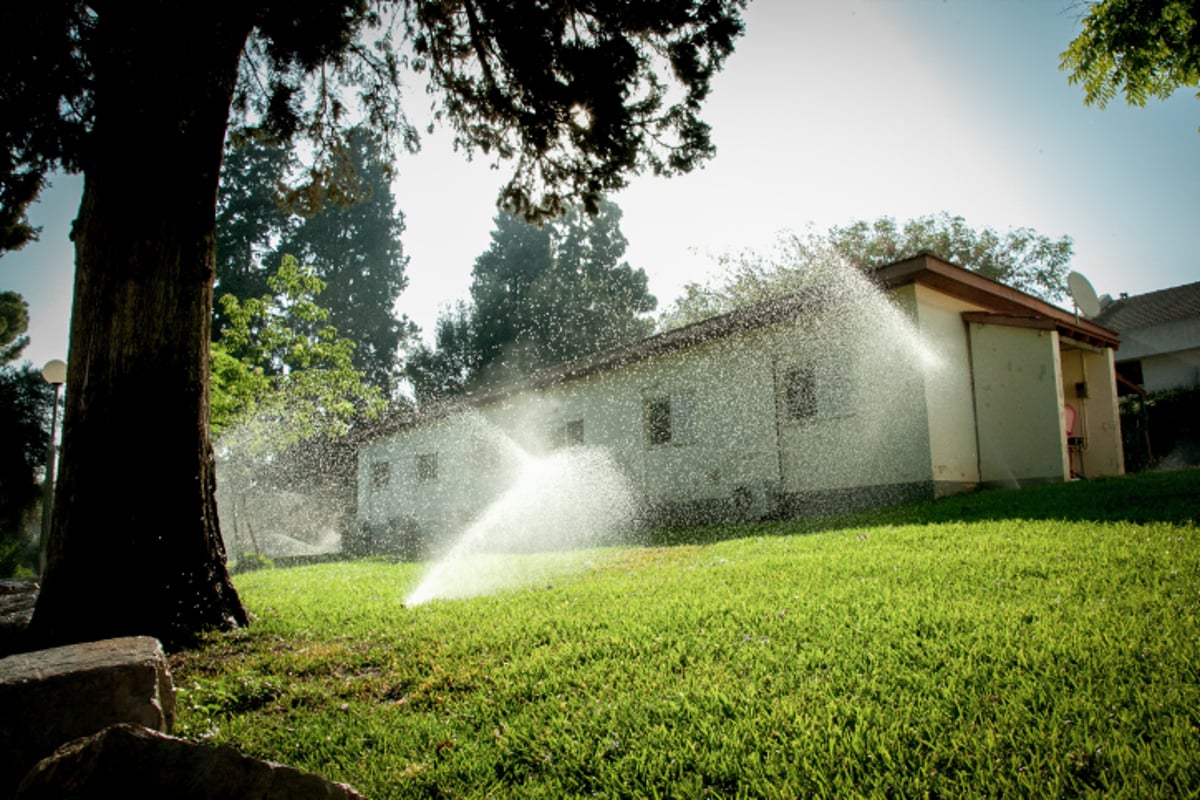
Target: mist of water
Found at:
873, 368
569, 499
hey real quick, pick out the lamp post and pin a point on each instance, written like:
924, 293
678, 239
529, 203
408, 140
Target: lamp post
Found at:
55, 373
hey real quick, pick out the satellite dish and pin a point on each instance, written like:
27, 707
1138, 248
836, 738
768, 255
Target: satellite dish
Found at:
1083, 294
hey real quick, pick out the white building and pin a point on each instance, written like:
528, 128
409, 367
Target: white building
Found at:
839, 397
1160, 337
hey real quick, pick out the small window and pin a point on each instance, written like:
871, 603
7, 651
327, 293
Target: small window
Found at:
427, 467
800, 390
564, 434
573, 433
381, 474
657, 420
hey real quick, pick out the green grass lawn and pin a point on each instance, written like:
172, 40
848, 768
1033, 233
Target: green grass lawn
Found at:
1040, 643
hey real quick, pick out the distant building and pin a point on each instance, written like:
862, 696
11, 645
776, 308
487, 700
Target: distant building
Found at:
1160, 337
830, 399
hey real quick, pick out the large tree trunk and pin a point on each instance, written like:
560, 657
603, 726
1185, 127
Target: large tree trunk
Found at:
136, 546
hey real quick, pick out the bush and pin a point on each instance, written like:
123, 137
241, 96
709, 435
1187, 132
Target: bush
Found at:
18, 558
1160, 429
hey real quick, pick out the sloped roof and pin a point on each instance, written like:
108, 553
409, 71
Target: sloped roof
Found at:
1003, 302
1152, 308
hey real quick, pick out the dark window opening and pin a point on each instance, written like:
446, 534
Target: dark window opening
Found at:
427, 467
801, 393
658, 420
381, 474
565, 434
573, 433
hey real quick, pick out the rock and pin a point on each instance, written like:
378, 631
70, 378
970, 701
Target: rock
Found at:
17, 599
53, 696
113, 763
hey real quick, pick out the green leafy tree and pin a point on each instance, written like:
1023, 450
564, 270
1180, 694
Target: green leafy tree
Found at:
280, 371
1020, 257
1139, 48
352, 240
138, 97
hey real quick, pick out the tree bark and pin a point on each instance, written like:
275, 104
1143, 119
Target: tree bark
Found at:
136, 545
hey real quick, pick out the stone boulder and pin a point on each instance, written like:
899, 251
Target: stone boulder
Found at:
49, 697
17, 599
132, 762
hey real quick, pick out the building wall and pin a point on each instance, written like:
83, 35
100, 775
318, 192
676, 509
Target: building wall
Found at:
432, 477
1018, 405
871, 428
732, 436
1176, 370
949, 391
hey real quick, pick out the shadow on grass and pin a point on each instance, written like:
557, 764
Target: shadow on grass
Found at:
1172, 497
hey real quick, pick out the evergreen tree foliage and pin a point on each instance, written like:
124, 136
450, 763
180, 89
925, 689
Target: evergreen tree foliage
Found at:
445, 369
1020, 257
354, 248
508, 294
14, 321
540, 295
251, 217
25, 404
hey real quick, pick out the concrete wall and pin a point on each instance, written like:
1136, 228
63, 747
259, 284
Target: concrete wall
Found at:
871, 428
1169, 352
1018, 405
949, 391
901, 398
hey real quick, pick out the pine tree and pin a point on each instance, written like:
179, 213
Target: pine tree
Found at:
354, 247
540, 295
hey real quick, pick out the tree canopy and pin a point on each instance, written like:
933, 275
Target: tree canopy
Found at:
1019, 257
576, 97
540, 295
1139, 48
139, 97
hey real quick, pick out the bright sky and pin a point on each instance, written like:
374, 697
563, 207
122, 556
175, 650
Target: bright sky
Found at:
828, 112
